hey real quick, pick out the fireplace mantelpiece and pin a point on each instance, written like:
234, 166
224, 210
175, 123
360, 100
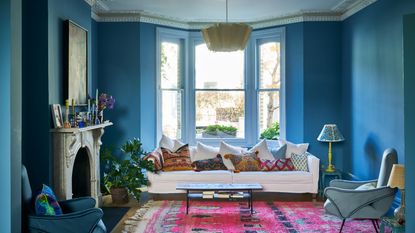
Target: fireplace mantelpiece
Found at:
66, 144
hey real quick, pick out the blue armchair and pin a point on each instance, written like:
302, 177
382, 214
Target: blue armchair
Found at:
79, 215
362, 199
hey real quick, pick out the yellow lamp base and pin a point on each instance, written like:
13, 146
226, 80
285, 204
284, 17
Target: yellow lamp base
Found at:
330, 168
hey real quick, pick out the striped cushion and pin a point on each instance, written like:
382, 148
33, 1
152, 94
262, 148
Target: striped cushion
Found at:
178, 160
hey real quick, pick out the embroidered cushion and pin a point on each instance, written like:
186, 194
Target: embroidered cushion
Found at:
209, 164
277, 165
300, 161
229, 149
46, 202
155, 156
178, 160
245, 162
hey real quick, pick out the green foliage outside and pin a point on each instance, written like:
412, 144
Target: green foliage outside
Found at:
214, 129
128, 172
271, 133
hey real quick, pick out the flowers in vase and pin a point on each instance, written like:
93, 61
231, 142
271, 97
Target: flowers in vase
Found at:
105, 101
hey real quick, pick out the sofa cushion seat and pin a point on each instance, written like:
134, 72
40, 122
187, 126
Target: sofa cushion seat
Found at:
273, 177
214, 176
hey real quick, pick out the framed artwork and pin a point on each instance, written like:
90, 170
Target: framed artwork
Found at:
77, 67
57, 116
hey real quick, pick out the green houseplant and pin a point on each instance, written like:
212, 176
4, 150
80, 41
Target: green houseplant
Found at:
125, 176
219, 131
271, 133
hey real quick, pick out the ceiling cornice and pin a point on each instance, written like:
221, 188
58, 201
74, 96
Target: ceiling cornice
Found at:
101, 13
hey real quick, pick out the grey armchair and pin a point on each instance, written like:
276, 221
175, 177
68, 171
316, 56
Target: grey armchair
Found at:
345, 201
79, 215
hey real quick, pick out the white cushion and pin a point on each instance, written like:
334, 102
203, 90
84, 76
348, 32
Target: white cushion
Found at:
263, 151
271, 177
177, 144
166, 142
294, 148
228, 149
205, 152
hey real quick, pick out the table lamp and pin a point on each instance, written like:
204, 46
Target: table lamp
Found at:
330, 133
397, 180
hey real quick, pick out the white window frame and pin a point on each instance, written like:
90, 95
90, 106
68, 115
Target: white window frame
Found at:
190, 40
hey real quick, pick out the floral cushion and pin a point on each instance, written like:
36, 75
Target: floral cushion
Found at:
245, 162
209, 164
46, 202
156, 158
277, 165
178, 160
300, 161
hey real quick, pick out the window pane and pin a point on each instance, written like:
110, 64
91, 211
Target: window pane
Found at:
269, 62
171, 113
218, 70
169, 64
269, 109
215, 109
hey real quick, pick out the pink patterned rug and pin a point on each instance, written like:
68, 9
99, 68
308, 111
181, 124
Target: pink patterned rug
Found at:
235, 217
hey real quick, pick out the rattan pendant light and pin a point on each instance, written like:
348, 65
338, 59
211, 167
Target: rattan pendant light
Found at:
226, 37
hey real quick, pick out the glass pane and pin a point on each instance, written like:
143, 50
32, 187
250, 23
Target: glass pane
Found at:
269, 62
269, 112
218, 70
171, 113
220, 114
170, 65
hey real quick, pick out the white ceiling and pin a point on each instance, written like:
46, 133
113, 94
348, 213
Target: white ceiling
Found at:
198, 11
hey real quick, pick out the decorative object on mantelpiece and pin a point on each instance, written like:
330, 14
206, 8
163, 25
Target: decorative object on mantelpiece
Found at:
125, 174
330, 133
67, 124
226, 37
397, 180
57, 116
77, 66
105, 101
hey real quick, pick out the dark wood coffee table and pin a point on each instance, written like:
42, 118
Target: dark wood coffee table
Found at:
236, 191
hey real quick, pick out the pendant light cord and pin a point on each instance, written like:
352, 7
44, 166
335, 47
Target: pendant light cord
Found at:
226, 11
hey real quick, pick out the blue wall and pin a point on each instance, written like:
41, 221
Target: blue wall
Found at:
119, 76
373, 74
5, 121
43, 76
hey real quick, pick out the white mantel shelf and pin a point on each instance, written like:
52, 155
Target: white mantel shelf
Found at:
79, 130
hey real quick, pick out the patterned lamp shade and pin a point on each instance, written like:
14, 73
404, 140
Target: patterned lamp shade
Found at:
330, 133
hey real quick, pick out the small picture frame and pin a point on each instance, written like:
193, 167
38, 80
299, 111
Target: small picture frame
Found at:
57, 115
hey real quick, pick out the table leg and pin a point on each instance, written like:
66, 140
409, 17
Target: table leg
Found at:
187, 202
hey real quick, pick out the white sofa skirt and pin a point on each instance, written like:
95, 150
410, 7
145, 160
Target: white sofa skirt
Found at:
275, 181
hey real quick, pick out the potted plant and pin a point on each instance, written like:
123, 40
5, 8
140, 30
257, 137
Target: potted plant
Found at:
271, 133
125, 176
219, 131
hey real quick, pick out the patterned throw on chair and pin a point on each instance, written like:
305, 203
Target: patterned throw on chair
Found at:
235, 217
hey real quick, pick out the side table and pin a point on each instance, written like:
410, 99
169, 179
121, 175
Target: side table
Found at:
334, 175
392, 223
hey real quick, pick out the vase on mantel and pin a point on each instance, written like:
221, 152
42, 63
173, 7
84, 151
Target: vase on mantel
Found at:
101, 116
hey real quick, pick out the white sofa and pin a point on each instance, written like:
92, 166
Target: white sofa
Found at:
272, 181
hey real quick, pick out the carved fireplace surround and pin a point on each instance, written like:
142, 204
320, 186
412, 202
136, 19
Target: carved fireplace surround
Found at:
68, 144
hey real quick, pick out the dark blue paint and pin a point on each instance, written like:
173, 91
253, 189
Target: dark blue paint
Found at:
119, 76
5, 120
94, 56
409, 83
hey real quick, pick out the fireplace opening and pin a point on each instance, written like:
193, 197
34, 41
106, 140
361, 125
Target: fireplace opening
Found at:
81, 175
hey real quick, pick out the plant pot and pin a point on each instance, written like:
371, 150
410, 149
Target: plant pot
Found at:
119, 195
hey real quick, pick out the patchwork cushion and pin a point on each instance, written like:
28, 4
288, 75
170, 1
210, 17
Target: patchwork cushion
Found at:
277, 165
209, 164
263, 151
294, 148
155, 156
178, 160
46, 202
246, 162
300, 161
228, 149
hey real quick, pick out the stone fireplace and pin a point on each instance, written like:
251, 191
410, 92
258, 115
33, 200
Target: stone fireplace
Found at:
76, 165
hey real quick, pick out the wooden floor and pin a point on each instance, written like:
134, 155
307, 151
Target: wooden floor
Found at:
145, 196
